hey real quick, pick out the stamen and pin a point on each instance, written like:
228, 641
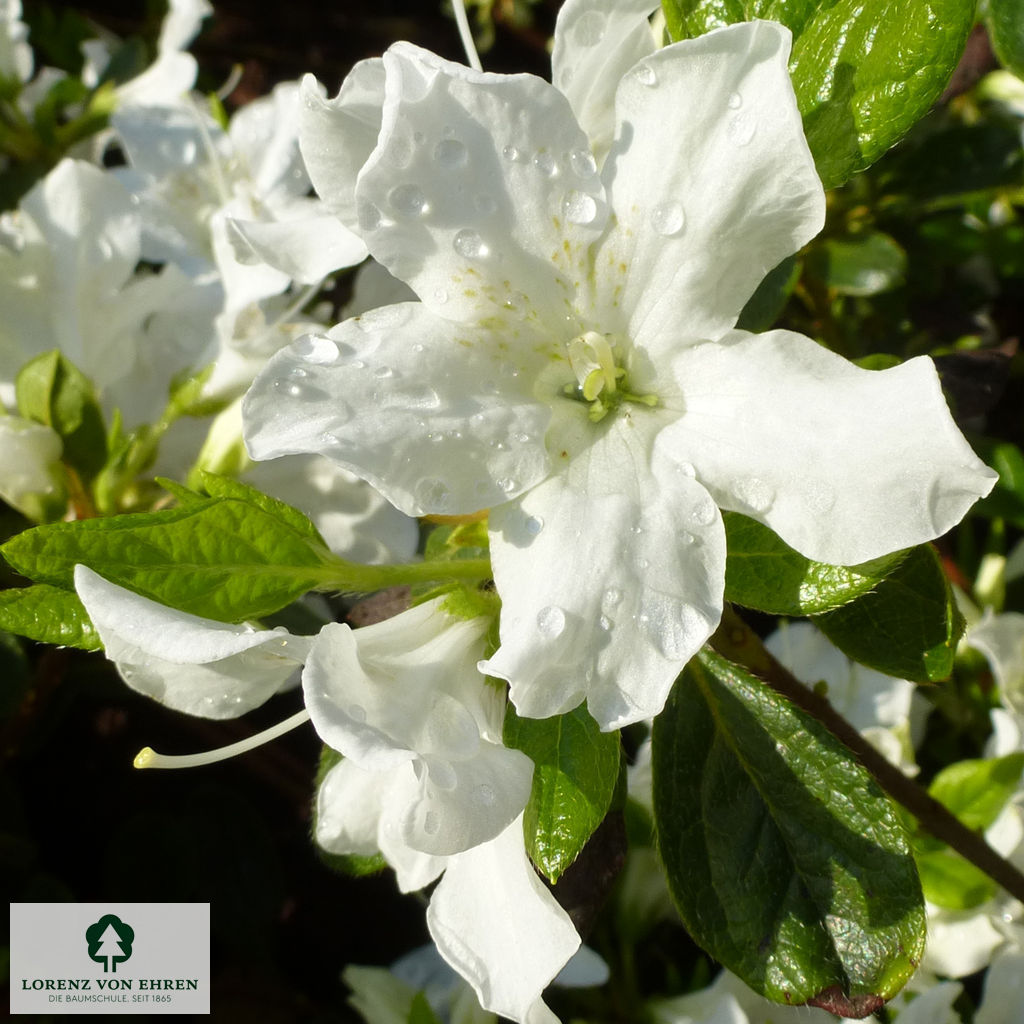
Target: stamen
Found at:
149, 758
466, 35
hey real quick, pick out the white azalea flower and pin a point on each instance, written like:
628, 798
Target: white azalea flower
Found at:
16, 60
67, 281
29, 463
426, 781
202, 667
572, 363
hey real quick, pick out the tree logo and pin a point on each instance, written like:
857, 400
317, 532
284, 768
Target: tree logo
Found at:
110, 942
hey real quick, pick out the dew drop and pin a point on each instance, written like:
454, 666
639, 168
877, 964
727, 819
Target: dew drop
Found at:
451, 154
317, 349
551, 622
755, 493
295, 390
534, 524
685, 539
687, 469
703, 512
485, 204
409, 201
735, 101
741, 129
642, 564
369, 217
511, 153
605, 624
298, 371
431, 823
545, 163
668, 219
645, 75
357, 713
440, 297
589, 29
612, 598
433, 495
508, 485
579, 208
484, 794
383, 372
582, 163
469, 244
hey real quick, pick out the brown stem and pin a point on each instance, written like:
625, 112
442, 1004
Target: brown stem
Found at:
736, 641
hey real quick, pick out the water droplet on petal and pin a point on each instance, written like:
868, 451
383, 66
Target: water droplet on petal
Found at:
511, 153
687, 469
433, 495
605, 624
298, 371
534, 524
741, 129
369, 217
431, 823
755, 493
469, 244
545, 163
703, 513
612, 597
295, 391
357, 713
668, 219
440, 297
409, 201
582, 163
685, 539
383, 372
589, 29
579, 208
451, 154
508, 485
551, 622
645, 75
735, 101
317, 349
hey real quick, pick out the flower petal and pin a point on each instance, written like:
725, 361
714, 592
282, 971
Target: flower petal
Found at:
613, 610
844, 464
194, 665
431, 413
1001, 639
596, 43
348, 806
482, 193
498, 926
371, 692
710, 165
465, 803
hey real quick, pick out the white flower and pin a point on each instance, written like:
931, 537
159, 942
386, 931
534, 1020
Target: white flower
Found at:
572, 364
16, 60
426, 781
199, 666
29, 463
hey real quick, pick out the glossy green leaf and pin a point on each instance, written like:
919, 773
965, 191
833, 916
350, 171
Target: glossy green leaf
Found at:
52, 390
864, 71
908, 626
785, 860
765, 573
576, 768
976, 791
48, 614
1005, 22
770, 297
866, 264
224, 487
224, 558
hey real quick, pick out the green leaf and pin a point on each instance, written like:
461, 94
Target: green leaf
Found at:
785, 860
48, 614
907, 627
976, 791
770, 296
1006, 500
763, 572
864, 71
866, 264
52, 390
224, 487
420, 1011
224, 559
576, 768
1005, 22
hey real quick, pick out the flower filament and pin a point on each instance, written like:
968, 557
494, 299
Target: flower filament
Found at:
600, 380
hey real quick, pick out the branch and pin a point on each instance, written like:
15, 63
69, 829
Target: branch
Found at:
738, 642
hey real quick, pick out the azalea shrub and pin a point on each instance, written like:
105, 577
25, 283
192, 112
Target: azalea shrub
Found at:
619, 472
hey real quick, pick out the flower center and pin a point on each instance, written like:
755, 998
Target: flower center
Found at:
600, 381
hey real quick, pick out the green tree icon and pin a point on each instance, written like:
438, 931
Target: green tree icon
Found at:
110, 941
